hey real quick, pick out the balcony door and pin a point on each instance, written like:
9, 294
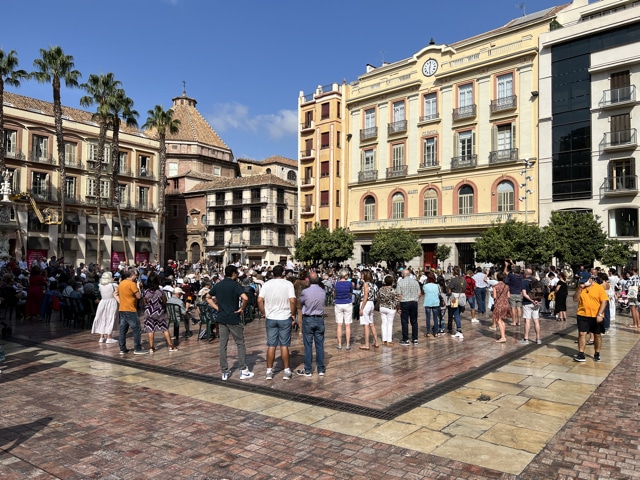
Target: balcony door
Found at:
622, 175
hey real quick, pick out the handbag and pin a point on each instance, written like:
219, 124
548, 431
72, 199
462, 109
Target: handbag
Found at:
552, 296
552, 304
632, 292
453, 303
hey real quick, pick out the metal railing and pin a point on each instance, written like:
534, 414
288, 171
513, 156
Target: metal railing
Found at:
464, 112
17, 154
504, 103
621, 139
367, 175
369, 133
306, 181
307, 153
307, 209
620, 184
397, 127
445, 221
398, 171
618, 95
306, 125
41, 158
429, 164
502, 156
427, 118
464, 161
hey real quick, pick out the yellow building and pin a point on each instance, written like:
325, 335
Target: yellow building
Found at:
445, 143
322, 182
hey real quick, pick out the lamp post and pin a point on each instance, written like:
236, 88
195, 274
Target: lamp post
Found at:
203, 235
525, 186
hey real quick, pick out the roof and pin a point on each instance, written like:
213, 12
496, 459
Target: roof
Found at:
253, 180
46, 108
196, 174
193, 126
271, 160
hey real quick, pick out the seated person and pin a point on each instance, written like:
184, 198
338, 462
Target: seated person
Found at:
176, 299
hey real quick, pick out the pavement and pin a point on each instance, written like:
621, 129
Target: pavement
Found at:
73, 408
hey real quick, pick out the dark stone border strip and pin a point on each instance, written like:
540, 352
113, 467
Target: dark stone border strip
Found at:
388, 413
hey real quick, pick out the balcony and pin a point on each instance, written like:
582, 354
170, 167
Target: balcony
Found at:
17, 154
429, 164
148, 207
621, 185
398, 171
307, 182
368, 176
307, 154
307, 210
503, 156
41, 157
40, 195
504, 103
618, 96
429, 118
622, 140
93, 200
464, 112
369, 134
144, 174
464, 161
73, 162
306, 126
397, 127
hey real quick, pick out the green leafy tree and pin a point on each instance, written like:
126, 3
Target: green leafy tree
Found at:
100, 90
55, 67
9, 75
616, 253
394, 245
442, 253
575, 238
516, 240
319, 244
340, 246
162, 122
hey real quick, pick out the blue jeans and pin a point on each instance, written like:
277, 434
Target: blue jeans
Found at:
408, 314
435, 311
313, 332
454, 313
481, 299
130, 319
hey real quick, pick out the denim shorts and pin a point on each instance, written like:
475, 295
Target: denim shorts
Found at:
278, 332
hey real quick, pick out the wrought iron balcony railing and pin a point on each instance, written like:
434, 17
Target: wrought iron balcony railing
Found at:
504, 103
502, 156
464, 112
397, 127
367, 175
430, 117
464, 161
369, 133
399, 171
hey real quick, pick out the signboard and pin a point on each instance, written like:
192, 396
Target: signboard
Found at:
34, 255
116, 258
142, 257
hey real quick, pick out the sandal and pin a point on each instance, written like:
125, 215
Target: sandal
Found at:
339, 347
364, 348
348, 347
376, 346
590, 342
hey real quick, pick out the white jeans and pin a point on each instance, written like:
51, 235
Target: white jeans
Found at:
387, 315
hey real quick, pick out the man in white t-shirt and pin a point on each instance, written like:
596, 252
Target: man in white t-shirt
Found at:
277, 302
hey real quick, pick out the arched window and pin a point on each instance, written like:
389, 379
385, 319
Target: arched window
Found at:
268, 170
430, 203
465, 200
506, 197
369, 208
291, 176
397, 205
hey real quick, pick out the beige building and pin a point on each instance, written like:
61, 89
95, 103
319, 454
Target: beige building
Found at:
444, 143
31, 156
282, 167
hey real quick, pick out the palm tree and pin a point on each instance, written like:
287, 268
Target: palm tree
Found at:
163, 122
101, 91
55, 67
120, 108
9, 75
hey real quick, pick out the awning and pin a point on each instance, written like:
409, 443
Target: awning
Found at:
92, 245
38, 243
71, 218
71, 244
143, 223
125, 221
143, 247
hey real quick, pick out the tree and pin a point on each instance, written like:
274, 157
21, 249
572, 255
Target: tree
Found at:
616, 253
9, 75
442, 253
319, 244
394, 245
576, 238
55, 67
162, 122
516, 240
121, 109
101, 90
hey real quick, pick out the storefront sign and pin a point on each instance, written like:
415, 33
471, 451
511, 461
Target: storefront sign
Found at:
116, 258
35, 255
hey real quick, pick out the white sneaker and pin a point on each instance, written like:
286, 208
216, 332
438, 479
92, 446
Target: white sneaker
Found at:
244, 374
111, 340
458, 335
475, 320
101, 340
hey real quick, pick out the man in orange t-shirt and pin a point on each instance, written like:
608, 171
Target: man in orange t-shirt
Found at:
128, 294
592, 300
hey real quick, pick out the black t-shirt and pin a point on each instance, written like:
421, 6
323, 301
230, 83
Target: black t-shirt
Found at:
227, 293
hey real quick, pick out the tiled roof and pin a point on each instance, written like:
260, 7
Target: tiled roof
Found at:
196, 174
253, 180
271, 160
46, 108
193, 126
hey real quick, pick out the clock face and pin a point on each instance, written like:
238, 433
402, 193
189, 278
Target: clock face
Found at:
430, 67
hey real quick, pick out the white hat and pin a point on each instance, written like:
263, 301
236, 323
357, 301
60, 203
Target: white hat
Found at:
178, 290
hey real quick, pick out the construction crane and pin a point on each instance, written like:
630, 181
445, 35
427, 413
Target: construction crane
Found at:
46, 216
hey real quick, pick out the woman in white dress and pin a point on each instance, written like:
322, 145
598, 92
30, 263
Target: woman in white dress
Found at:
107, 311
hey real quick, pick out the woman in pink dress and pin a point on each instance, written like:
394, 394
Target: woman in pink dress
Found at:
35, 293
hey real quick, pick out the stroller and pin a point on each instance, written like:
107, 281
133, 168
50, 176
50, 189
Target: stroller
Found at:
623, 303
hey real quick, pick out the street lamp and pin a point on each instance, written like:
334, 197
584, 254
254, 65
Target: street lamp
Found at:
528, 163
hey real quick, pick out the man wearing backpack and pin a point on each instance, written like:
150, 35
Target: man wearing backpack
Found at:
532, 296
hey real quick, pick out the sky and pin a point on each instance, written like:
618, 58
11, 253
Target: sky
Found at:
244, 61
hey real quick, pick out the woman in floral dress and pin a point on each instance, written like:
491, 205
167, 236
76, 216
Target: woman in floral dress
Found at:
501, 308
154, 318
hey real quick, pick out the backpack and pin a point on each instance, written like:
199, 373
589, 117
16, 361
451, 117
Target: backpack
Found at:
537, 290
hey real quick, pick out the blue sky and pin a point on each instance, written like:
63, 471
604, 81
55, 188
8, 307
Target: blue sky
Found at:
244, 61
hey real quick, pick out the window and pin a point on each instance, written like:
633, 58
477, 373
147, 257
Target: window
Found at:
188, 220
217, 171
220, 218
291, 176
282, 237
429, 152
308, 119
237, 216
70, 187
40, 147
337, 168
143, 197
337, 198
465, 144
219, 198
430, 107
105, 188
397, 205
397, 156
70, 153
173, 169
505, 85
338, 140
623, 222
280, 215
398, 111
324, 198
465, 96
203, 219
324, 169
370, 118
506, 197
92, 154
256, 214
369, 208
122, 163
218, 237
144, 163
307, 226
255, 236
324, 140
324, 110
465, 200
174, 210
368, 160
91, 187
237, 196
504, 138
339, 114
430, 200
620, 129
143, 232
176, 184
324, 223
621, 175
123, 194
280, 195
10, 142
40, 185
255, 194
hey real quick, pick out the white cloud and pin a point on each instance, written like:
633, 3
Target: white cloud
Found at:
235, 116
